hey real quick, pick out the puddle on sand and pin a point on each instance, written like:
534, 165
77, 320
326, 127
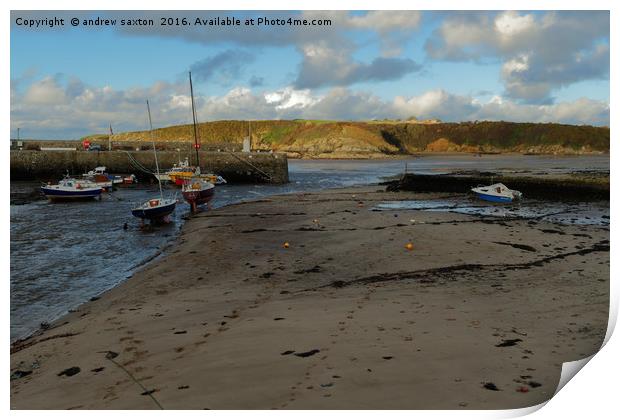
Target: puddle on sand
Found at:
595, 213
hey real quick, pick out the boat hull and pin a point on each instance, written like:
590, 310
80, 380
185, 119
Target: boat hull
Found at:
494, 198
155, 213
57, 194
199, 197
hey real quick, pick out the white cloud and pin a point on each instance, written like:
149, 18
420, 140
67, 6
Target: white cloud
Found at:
290, 98
511, 23
46, 109
540, 52
45, 92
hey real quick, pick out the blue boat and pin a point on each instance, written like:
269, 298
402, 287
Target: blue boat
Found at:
156, 209
71, 189
497, 193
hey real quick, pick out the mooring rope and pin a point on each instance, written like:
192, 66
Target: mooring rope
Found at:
138, 165
261, 172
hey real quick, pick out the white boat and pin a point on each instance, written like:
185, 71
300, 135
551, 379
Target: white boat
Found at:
163, 177
498, 193
71, 189
99, 170
100, 177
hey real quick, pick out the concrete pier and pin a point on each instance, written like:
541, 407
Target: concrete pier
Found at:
233, 166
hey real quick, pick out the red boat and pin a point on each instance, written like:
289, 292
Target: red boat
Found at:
198, 191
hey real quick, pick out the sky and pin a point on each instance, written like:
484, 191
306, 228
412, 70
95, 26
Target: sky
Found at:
540, 66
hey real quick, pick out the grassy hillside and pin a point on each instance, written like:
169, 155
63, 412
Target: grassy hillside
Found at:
306, 138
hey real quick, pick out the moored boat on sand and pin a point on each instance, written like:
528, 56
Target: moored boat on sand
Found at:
155, 209
198, 191
498, 193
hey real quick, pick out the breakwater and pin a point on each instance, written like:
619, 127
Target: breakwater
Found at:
234, 167
561, 188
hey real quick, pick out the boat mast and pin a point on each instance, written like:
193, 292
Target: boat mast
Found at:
191, 90
148, 108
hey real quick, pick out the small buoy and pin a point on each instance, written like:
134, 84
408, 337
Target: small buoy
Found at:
523, 389
409, 246
285, 245
316, 221
125, 226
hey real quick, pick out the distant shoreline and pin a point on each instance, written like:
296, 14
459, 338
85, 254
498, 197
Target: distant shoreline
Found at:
424, 154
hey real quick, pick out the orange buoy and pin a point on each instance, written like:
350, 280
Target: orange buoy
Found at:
285, 245
409, 246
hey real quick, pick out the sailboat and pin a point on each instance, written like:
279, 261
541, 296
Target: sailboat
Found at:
155, 209
196, 190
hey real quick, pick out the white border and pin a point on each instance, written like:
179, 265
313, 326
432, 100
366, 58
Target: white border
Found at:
592, 394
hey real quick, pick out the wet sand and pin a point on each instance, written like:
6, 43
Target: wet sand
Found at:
480, 314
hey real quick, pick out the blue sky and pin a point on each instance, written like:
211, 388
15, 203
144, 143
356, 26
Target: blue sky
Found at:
521, 66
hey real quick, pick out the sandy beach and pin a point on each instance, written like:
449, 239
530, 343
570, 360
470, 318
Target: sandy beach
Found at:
479, 314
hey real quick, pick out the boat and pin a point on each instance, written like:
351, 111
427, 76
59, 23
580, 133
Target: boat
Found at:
183, 179
100, 177
128, 180
183, 172
71, 189
98, 171
180, 173
155, 209
196, 190
498, 193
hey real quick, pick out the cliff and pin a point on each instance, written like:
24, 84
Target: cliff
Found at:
335, 139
